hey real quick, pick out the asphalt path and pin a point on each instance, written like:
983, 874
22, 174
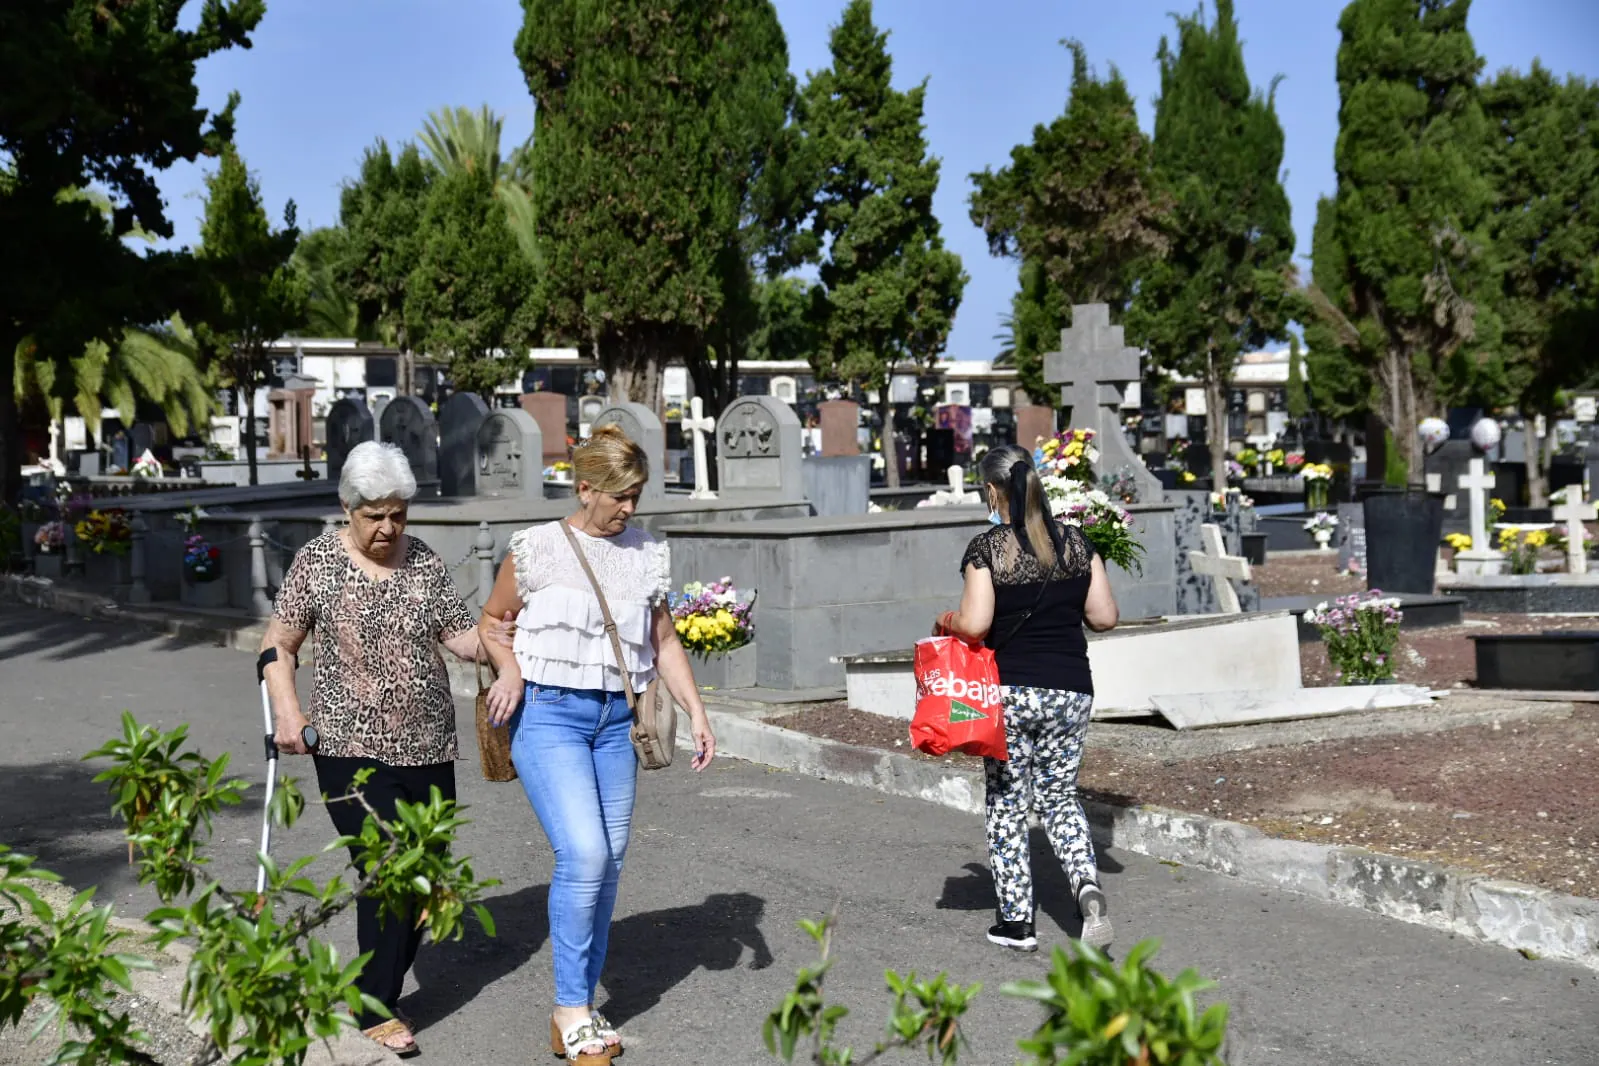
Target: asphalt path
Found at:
725, 863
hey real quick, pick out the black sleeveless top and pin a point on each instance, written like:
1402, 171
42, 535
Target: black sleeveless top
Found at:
1049, 650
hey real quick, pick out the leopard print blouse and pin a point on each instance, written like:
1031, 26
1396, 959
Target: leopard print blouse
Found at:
381, 689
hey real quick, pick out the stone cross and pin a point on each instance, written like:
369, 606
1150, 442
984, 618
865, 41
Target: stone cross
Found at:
1221, 568
699, 423
1574, 511
1478, 483
956, 495
1093, 368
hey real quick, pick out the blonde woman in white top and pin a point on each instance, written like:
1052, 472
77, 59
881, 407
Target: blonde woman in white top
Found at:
562, 691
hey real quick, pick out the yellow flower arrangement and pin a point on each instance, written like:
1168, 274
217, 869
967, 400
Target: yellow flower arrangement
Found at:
1460, 542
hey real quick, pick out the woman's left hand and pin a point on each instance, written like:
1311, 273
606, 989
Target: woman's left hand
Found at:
704, 740
503, 632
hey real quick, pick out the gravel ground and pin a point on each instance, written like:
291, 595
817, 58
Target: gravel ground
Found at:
1511, 800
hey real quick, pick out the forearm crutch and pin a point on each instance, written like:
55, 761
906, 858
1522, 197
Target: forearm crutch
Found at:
308, 735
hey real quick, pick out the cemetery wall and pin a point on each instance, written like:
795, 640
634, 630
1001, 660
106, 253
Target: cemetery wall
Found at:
268, 471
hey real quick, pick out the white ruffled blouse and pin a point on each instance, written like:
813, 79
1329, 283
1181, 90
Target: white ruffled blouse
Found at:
560, 634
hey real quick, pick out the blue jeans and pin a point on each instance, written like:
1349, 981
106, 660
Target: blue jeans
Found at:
576, 763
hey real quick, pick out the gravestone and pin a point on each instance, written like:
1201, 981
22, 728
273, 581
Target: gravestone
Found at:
1481, 557
1573, 511
841, 421
349, 422
956, 495
407, 424
1093, 368
549, 411
700, 424
1351, 536
759, 448
141, 439
1448, 464
643, 428
1034, 423
510, 456
1221, 568
459, 420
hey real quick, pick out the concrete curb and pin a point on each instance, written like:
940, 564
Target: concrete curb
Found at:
1535, 921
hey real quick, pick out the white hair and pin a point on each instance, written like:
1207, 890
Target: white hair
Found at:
374, 471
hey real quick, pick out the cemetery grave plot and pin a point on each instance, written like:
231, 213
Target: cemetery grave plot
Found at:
1508, 800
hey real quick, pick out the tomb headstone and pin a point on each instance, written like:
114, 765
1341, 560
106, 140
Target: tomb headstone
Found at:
1093, 369
759, 448
1449, 463
349, 422
699, 424
1573, 511
459, 419
510, 455
841, 421
549, 411
1351, 536
1034, 422
1221, 568
1481, 557
643, 428
409, 425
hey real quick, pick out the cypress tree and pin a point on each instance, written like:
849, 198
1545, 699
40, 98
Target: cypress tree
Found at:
1297, 402
655, 128
1080, 203
1543, 160
889, 288
1223, 287
1399, 264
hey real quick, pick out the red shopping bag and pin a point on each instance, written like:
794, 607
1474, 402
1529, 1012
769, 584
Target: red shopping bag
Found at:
957, 699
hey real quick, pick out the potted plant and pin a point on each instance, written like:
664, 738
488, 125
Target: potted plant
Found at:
202, 569
1521, 547
1360, 633
1275, 459
49, 542
560, 470
717, 627
107, 536
1249, 460
1318, 484
1321, 526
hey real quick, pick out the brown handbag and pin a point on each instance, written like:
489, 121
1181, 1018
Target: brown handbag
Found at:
493, 741
654, 732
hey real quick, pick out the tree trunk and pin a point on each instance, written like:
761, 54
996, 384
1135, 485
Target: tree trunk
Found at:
249, 430
1537, 470
10, 420
1216, 430
887, 447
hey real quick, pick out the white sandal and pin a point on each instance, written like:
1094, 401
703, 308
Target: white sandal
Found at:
569, 1045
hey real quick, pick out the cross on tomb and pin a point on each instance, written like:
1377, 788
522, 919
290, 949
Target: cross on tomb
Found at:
956, 495
1221, 568
699, 423
1478, 482
1093, 368
1574, 511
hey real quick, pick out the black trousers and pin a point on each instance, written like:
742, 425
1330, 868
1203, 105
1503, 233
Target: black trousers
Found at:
392, 942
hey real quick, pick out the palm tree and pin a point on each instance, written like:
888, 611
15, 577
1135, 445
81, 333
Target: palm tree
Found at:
457, 138
330, 310
1006, 338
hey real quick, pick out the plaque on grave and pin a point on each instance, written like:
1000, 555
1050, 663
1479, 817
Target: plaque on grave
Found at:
510, 455
409, 425
758, 448
641, 426
349, 422
459, 420
840, 421
1351, 537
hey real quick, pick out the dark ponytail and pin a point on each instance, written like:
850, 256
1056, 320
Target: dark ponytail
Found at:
1009, 470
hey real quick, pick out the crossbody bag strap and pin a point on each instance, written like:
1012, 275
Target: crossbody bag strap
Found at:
1017, 628
605, 612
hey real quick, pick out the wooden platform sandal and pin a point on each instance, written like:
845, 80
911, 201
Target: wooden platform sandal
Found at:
384, 1032
570, 1044
607, 1033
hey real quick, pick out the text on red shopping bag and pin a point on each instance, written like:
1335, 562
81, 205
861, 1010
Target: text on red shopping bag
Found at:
958, 704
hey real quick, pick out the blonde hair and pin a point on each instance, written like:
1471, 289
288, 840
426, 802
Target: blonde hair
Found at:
1009, 471
610, 461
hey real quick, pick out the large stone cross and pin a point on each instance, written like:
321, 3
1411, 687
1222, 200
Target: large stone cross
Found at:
1093, 368
1574, 511
1221, 568
699, 423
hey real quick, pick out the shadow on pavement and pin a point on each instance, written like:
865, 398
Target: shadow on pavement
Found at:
452, 975
652, 953
58, 637
1052, 892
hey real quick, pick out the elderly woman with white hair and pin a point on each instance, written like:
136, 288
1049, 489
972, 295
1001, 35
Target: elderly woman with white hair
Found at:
381, 603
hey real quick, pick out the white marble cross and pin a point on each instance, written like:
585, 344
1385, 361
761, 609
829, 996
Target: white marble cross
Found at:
1478, 483
1221, 568
699, 424
1574, 511
956, 495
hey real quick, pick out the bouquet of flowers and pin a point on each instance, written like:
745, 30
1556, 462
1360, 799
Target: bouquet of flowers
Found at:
1120, 486
1293, 461
1318, 483
106, 532
711, 619
201, 561
1070, 454
1235, 470
1496, 511
1106, 524
51, 537
1249, 459
1178, 452
1460, 542
1276, 458
1360, 633
147, 466
1316, 472
560, 470
1320, 522
1521, 547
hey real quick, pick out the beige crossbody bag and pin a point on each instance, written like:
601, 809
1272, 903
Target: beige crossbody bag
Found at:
654, 731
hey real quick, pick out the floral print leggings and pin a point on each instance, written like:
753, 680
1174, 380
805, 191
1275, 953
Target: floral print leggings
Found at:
1044, 730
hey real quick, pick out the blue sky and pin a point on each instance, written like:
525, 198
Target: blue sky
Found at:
327, 77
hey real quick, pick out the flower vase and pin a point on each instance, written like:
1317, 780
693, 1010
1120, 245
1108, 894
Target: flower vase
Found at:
726, 670
1323, 539
1316, 496
204, 594
47, 564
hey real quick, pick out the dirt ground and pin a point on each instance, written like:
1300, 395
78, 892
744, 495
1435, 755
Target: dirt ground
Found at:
1510, 800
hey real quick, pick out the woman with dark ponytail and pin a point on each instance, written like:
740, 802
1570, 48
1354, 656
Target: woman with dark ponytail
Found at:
1031, 585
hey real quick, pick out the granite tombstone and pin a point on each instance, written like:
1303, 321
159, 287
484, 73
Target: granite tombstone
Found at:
510, 459
459, 419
